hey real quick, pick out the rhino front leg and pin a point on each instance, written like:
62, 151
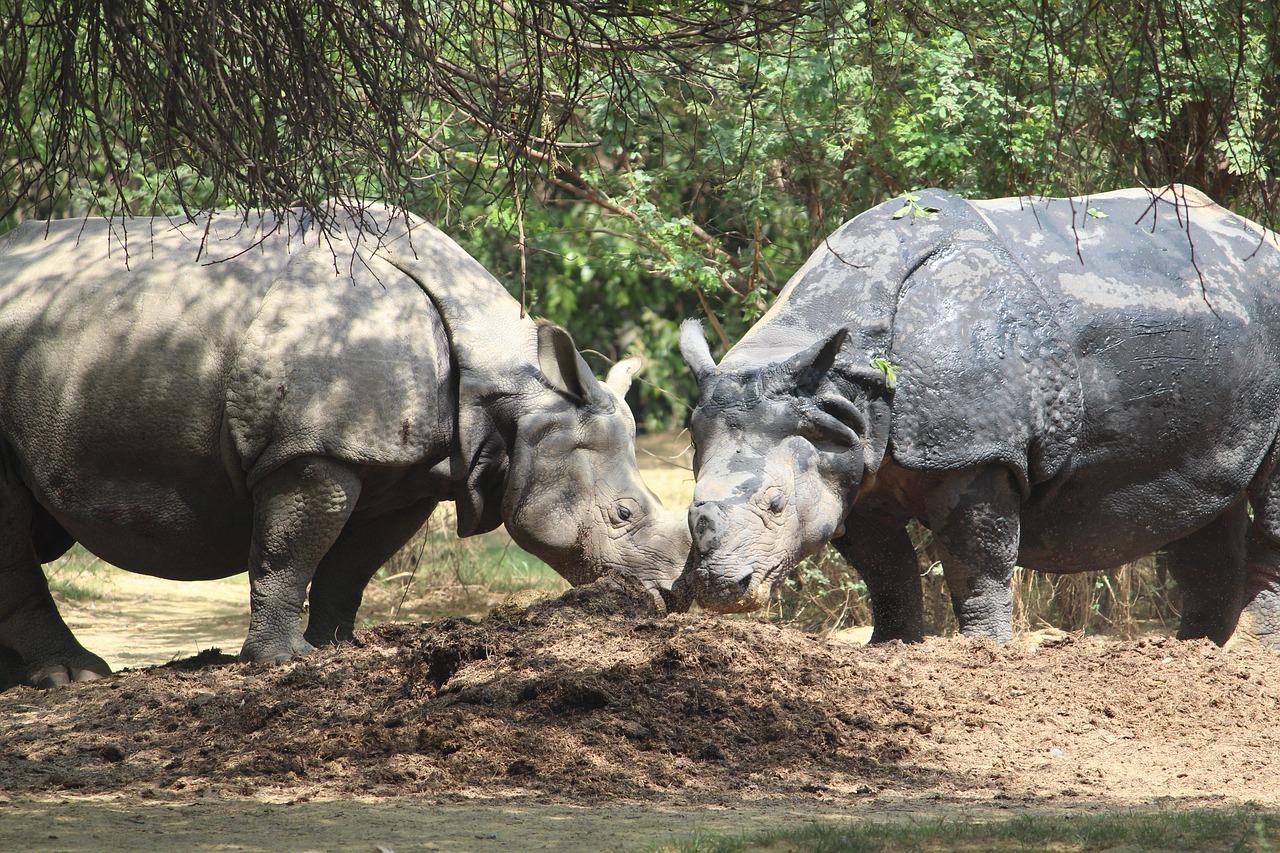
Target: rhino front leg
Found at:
881, 552
1209, 566
343, 574
976, 525
31, 629
300, 511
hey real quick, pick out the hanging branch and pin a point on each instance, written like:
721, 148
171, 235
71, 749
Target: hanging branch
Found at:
292, 103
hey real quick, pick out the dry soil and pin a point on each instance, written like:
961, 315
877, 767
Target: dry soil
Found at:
590, 723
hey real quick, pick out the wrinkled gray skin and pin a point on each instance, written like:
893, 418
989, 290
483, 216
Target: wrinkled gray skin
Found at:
297, 404
1073, 391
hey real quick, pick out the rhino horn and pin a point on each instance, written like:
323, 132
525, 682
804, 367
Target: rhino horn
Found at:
564, 369
693, 346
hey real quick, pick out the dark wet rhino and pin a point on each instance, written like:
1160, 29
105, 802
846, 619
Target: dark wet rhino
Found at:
1060, 384
231, 393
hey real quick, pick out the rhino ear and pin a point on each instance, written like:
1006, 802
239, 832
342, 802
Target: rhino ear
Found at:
562, 366
693, 346
621, 374
807, 369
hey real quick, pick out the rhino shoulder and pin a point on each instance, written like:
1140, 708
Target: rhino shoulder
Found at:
984, 371
347, 360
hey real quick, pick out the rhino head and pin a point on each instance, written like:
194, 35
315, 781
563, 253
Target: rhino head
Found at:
574, 496
541, 446
779, 453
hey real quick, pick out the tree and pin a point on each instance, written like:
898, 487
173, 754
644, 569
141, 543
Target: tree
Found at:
631, 163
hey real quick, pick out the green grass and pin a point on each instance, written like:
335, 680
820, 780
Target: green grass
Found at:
1133, 831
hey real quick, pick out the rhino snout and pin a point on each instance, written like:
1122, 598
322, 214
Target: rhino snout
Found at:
719, 580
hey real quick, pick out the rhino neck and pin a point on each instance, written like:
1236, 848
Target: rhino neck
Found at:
493, 345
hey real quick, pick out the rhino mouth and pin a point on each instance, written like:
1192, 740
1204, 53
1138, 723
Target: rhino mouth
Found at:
734, 588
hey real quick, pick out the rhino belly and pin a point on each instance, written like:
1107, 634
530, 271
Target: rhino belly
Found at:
1102, 518
164, 521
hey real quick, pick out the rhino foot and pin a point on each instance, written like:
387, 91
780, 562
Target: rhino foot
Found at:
61, 670
55, 664
274, 651
51, 676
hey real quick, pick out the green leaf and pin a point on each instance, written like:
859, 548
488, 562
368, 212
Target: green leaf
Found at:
1095, 213
887, 367
914, 207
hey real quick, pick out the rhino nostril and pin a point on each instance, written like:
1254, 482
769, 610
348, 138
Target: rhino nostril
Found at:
744, 583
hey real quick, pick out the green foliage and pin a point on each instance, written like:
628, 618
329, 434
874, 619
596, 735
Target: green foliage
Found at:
914, 208
887, 367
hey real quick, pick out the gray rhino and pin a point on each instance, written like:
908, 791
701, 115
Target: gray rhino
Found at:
1060, 384
188, 399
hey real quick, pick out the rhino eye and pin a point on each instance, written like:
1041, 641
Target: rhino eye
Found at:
624, 512
777, 503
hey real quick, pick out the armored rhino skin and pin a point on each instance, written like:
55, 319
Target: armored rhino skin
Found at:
198, 398
1066, 385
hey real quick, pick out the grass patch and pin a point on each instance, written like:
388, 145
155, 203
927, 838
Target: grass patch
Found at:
437, 575
1202, 830
77, 576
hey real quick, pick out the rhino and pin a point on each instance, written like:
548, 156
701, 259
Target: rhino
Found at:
190, 399
1061, 384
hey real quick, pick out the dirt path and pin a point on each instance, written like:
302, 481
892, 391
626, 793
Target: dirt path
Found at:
145, 621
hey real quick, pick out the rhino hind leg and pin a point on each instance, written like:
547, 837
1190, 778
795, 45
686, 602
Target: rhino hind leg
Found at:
976, 525
31, 629
1209, 566
1260, 620
340, 580
881, 552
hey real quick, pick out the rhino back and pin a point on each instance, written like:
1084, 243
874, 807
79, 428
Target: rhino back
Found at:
131, 367
1123, 363
852, 280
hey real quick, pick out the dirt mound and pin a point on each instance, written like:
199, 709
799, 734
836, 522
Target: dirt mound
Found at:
587, 697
